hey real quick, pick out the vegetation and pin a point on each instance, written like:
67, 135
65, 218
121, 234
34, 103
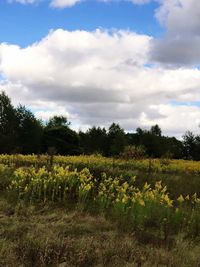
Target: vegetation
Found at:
55, 236
150, 206
126, 202
173, 173
21, 132
58, 214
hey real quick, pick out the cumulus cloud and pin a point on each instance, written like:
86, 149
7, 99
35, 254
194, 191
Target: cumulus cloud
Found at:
63, 3
180, 45
99, 77
139, 2
23, 1
69, 3
53, 3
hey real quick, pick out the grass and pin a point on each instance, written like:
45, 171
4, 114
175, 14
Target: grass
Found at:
38, 235
174, 173
70, 234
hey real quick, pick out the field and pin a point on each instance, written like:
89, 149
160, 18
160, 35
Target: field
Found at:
95, 211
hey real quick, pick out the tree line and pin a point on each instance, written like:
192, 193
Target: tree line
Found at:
21, 132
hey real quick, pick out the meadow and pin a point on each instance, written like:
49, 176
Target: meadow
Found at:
96, 211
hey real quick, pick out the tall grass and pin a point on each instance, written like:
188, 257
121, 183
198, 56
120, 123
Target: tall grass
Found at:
141, 209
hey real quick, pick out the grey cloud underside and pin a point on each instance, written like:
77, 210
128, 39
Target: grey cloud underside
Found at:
177, 52
105, 114
180, 45
82, 95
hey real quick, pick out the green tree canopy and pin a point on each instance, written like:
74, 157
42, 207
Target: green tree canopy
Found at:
29, 131
8, 125
59, 136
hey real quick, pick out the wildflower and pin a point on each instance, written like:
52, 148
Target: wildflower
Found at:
146, 186
167, 200
187, 197
164, 189
141, 202
197, 200
125, 199
180, 199
158, 185
151, 195
87, 187
194, 196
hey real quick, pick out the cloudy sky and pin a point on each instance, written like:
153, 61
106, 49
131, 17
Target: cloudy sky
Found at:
133, 62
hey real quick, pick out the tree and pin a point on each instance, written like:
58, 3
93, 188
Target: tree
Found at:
59, 136
58, 121
155, 130
116, 139
191, 145
8, 125
29, 131
151, 140
94, 141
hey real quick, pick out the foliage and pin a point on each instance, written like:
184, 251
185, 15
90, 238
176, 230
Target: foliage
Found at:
191, 146
133, 152
116, 139
29, 131
58, 121
94, 141
147, 213
59, 136
8, 125
148, 207
21, 132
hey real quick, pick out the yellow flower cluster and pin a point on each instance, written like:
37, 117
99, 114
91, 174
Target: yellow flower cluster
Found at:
58, 184
194, 199
94, 161
117, 191
61, 183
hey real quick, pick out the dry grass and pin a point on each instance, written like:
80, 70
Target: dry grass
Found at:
53, 236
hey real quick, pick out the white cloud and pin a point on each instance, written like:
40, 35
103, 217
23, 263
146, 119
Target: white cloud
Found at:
23, 1
53, 3
63, 3
180, 45
70, 3
137, 2
140, 2
181, 117
181, 41
99, 77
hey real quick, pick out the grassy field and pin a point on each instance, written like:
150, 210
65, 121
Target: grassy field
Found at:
93, 211
42, 235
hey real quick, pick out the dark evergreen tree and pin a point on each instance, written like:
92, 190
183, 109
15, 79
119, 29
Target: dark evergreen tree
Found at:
155, 130
191, 145
58, 121
116, 139
94, 141
8, 125
59, 136
29, 131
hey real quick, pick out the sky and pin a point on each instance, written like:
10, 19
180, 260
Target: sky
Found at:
133, 62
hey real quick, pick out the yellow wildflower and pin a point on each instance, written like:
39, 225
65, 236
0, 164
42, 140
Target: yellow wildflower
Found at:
146, 186
141, 202
125, 199
180, 199
187, 197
